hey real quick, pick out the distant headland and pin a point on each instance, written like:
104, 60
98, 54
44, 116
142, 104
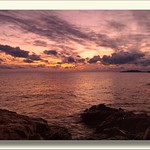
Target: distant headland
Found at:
134, 71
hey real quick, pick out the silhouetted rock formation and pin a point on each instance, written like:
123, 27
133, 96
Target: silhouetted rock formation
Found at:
135, 71
107, 124
19, 127
111, 123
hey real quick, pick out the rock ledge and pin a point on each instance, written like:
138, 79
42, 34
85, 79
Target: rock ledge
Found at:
110, 123
20, 127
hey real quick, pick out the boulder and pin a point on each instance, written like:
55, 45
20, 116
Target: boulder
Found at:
146, 135
97, 114
112, 123
14, 126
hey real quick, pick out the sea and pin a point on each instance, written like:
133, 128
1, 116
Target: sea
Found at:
60, 97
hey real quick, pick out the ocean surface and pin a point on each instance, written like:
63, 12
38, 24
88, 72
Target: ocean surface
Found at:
61, 97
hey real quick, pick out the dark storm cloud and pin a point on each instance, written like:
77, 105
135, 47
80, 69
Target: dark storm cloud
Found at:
70, 60
63, 35
14, 51
40, 43
46, 61
128, 41
35, 57
80, 60
50, 25
65, 48
50, 52
66, 51
129, 36
65, 55
17, 52
62, 51
106, 41
28, 60
95, 59
122, 58
144, 61
58, 28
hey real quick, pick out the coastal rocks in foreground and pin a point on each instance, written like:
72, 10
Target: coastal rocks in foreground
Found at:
19, 127
116, 124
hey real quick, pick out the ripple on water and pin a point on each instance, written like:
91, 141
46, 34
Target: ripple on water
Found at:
59, 98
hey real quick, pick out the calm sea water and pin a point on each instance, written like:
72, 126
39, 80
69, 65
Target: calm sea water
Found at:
60, 97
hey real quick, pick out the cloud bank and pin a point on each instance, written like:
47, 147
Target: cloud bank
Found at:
77, 37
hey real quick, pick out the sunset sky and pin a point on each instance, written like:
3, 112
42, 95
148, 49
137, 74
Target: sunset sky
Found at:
75, 40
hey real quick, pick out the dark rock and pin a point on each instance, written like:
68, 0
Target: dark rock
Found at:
97, 114
114, 131
134, 124
58, 133
146, 135
19, 127
112, 123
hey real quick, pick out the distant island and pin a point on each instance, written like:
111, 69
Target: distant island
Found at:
134, 71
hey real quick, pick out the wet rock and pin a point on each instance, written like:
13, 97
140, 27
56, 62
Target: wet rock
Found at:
57, 133
112, 123
97, 114
134, 124
146, 135
19, 127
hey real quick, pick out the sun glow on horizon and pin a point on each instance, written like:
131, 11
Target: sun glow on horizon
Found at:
67, 40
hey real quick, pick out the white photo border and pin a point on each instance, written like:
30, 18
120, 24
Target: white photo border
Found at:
75, 5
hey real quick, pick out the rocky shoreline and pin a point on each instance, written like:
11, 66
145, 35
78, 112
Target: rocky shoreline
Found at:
20, 127
106, 123
116, 124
